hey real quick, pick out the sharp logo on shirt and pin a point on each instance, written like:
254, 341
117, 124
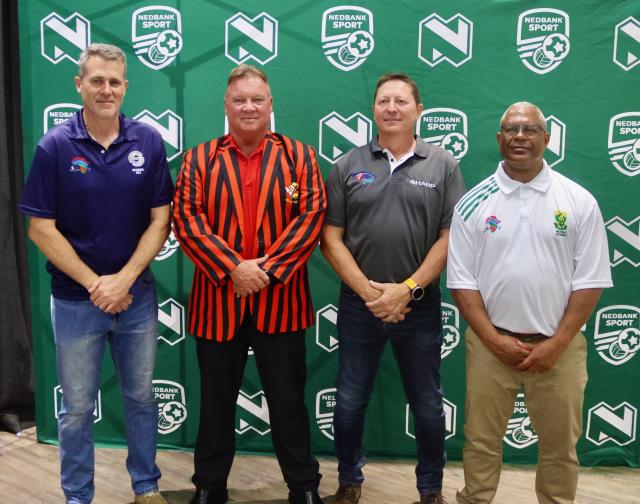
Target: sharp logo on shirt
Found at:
325, 406
339, 134
169, 125
446, 128
442, 39
172, 405
624, 241
554, 152
252, 413
617, 333
543, 39
347, 36
626, 44
169, 247
624, 143
58, 113
560, 222
156, 34
57, 403
492, 224
248, 38
326, 329
136, 158
422, 183
520, 432
293, 193
450, 415
62, 38
79, 164
171, 327
450, 329
615, 424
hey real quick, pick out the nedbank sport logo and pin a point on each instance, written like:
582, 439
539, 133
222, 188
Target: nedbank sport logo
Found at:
326, 328
248, 38
612, 423
169, 125
626, 44
445, 127
617, 333
169, 247
57, 404
450, 414
442, 39
339, 134
543, 39
172, 405
450, 329
252, 413
624, 241
62, 38
325, 404
554, 153
624, 143
171, 328
58, 113
347, 36
520, 432
156, 34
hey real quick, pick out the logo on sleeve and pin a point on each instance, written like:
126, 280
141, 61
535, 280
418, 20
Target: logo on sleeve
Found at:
172, 405
62, 38
156, 33
248, 38
347, 36
626, 44
80, 164
492, 223
445, 127
624, 143
520, 432
543, 39
442, 39
617, 333
560, 222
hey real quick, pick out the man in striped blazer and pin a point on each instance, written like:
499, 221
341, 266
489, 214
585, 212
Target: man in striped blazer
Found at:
248, 211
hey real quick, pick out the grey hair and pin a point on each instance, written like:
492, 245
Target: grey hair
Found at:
107, 52
526, 104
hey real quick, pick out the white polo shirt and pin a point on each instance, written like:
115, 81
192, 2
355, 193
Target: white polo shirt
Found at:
526, 247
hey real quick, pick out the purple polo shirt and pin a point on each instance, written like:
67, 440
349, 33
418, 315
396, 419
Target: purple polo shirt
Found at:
101, 199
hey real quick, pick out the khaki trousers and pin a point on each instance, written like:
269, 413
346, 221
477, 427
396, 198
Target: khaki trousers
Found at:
554, 400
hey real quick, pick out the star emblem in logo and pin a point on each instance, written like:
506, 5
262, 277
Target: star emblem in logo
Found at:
555, 47
360, 44
456, 144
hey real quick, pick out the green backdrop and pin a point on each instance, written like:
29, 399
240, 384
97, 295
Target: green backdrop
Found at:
578, 60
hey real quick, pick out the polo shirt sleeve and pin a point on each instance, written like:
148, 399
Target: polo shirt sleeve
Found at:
591, 259
453, 191
39, 196
162, 183
461, 257
336, 197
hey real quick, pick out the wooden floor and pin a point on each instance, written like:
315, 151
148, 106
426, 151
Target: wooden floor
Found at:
29, 475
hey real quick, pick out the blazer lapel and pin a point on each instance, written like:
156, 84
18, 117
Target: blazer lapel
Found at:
268, 175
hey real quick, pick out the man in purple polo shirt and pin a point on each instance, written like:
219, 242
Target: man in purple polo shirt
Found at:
98, 196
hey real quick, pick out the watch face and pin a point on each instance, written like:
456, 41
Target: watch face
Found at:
417, 293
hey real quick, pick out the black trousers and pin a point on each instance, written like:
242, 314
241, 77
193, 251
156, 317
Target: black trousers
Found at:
280, 359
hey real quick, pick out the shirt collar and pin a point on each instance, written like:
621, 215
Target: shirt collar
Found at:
421, 149
540, 183
78, 129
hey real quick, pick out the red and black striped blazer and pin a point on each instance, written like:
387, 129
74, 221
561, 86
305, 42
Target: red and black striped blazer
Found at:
208, 222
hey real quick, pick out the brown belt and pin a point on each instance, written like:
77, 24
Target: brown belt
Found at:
525, 337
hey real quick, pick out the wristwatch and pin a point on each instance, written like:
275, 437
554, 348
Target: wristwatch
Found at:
417, 292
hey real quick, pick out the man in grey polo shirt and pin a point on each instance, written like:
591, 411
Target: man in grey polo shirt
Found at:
387, 224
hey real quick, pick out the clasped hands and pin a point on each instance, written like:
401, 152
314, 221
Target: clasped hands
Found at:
388, 301
522, 356
110, 293
248, 277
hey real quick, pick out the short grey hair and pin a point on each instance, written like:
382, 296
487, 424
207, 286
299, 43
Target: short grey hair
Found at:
526, 104
244, 70
107, 52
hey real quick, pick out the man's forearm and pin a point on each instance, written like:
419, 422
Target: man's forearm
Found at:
579, 308
434, 262
474, 312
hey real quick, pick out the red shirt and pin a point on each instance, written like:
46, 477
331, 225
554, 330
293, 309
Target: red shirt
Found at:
249, 182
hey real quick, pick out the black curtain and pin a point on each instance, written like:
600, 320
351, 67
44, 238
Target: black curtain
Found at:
16, 371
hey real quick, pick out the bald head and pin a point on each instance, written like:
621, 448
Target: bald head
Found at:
523, 106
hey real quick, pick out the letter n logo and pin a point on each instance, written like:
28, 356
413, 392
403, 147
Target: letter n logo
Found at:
62, 38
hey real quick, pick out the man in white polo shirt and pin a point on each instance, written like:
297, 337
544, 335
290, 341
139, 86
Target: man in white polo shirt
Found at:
527, 262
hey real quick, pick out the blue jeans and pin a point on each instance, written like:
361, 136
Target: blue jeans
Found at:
416, 346
81, 331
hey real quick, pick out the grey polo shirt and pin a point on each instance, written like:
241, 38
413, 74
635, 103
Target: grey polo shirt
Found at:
391, 220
